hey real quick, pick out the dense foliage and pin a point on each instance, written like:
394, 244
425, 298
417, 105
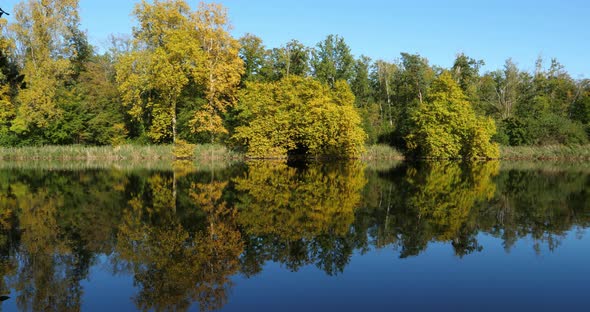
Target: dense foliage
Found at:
445, 126
181, 72
298, 115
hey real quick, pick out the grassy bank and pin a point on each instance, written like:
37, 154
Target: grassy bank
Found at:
549, 152
113, 153
218, 152
381, 152
152, 152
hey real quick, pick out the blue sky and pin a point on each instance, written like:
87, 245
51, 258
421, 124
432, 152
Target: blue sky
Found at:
488, 30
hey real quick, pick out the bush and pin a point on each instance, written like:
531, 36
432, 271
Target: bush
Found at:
550, 129
183, 149
298, 115
545, 129
445, 126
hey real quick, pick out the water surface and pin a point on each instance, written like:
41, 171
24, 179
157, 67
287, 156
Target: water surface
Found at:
266, 236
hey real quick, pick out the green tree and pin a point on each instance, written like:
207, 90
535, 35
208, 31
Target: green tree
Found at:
383, 75
254, 55
363, 89
500, 91
581, 107
361, 83
290, 59
465, 70
332, 60
414, 80
445, 126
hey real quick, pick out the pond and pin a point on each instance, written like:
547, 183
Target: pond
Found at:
266, 236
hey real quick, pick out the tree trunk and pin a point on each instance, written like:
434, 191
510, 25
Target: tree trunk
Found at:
174, 123
388, 101
174, 190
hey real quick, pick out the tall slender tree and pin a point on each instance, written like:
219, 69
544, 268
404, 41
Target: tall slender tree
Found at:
223, 68
7, 108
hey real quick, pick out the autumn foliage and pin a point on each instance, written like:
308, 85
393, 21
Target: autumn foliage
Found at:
299, 116
445, 126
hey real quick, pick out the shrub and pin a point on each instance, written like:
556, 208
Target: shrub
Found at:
445, 126
183, 150
298, 115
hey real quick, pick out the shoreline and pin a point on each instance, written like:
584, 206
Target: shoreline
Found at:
217, 152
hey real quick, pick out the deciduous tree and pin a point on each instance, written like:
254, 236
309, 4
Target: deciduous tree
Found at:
44, 31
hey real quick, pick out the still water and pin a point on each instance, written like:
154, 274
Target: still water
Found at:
266, 236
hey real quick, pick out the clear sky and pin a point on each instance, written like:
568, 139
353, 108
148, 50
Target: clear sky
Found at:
482, 29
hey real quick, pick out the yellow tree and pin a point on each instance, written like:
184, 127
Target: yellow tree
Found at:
223, 68
44, 29
165, 58
175, 49
7, 109
175, 265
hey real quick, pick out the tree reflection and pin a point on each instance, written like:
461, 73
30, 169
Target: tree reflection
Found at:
54, 230
184, 234
445, 195
432, 202
173, 266
544, 205
298, 216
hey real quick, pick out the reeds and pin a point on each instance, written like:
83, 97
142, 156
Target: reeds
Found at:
548, 152
381, 152
113, 153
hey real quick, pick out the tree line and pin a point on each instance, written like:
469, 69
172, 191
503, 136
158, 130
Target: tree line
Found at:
182, 77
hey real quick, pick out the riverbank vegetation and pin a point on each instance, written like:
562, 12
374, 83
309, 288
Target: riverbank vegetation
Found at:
164, 152
181, 78
116, 153
548, 152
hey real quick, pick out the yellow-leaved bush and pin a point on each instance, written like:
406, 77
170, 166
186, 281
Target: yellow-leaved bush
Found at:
298, 115
446, 126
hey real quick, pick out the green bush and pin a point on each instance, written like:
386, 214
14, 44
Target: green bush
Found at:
545, 129
551, 129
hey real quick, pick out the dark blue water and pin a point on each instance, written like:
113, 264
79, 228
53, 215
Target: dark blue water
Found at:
323, 237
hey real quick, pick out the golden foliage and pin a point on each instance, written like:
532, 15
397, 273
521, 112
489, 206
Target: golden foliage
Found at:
44, 28
175, 49
446, 126
223, 68
299, 113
